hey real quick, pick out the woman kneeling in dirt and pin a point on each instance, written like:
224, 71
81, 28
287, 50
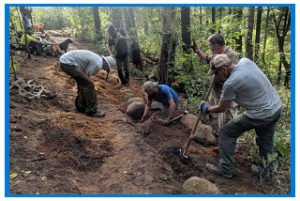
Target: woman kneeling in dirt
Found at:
80, 65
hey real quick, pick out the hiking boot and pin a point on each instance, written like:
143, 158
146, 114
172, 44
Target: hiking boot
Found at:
256, 169
217, 170
263, 174
97, 114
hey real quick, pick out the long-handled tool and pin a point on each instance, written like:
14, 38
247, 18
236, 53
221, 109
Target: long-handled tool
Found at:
166, 123
182, 154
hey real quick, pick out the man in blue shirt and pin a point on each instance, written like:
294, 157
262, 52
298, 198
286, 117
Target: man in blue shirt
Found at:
163, 94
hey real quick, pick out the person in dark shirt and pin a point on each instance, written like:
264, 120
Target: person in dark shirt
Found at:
118, 38
163, 94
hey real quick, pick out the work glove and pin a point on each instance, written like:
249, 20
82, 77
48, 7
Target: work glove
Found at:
194, 46
203, 107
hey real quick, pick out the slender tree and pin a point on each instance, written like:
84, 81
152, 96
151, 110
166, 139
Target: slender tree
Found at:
249, 46
117, 17
168, 44
185, 29
282, 25
239, 40
257, 37
97, 23
213, 18
201, 17
266, 36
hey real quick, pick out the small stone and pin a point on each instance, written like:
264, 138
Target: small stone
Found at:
43, 178
26, 173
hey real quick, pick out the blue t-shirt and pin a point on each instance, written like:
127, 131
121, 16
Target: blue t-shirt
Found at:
165, 93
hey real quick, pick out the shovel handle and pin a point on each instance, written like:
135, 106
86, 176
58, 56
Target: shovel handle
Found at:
198, 119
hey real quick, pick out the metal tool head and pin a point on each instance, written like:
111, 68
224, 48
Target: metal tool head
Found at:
185, 112
182, 156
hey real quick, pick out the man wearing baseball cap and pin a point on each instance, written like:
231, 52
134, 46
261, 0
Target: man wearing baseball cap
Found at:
80, 65
248, 86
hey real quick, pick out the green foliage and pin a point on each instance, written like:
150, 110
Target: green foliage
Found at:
15, 64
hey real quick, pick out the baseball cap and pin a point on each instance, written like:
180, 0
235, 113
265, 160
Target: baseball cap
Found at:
217, 62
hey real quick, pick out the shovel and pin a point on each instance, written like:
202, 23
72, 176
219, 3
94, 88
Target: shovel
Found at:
182, 153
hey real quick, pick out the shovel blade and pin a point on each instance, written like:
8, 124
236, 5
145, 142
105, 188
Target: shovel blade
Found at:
182, 156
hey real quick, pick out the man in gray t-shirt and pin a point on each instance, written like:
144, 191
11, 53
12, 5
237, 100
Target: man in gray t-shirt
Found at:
80, 65
247, 85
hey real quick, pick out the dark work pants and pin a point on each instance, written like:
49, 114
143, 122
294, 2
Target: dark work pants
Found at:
229, 133
36, 47
86, 100
124, 62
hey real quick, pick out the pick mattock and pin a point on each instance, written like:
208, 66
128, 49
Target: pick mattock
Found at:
182, 154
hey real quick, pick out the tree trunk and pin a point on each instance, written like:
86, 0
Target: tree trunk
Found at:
213, 19
257, 37
60, 18
25, 12
239, 40
249, 46
185, 29
117, 17
281, 32
266, 36
229, 10
220, 13
97, 23
201, 17
131, 29
279, 73
166, 61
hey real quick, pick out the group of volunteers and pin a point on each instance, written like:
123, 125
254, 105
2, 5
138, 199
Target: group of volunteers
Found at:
236, 82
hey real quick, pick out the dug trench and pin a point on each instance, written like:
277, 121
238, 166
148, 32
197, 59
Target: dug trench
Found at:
54, 150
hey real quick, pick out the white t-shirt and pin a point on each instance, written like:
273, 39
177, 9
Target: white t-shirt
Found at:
85, 60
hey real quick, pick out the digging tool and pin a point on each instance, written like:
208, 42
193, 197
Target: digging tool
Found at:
182, 153
166, 123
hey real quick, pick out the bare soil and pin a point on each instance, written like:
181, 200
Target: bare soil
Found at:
70, 153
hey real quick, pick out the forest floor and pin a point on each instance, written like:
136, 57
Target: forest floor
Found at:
54, 150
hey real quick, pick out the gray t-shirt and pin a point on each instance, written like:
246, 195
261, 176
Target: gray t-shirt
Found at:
85, 60
248, 86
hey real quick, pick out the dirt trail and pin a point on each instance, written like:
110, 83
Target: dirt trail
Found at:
70, 153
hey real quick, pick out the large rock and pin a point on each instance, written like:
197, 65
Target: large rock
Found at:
113, 79
135, 99
188, 120
128, 96
135, 110
124, 90
204, 135
196, 185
